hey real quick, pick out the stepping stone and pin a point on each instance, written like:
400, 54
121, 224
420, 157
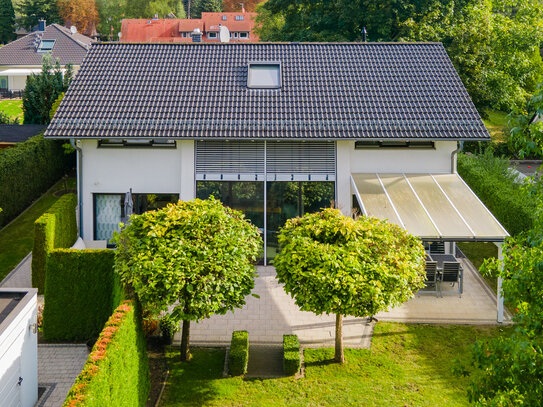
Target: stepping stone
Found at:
265, 362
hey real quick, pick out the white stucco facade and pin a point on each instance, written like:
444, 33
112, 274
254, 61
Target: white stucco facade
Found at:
16, 75
145, 170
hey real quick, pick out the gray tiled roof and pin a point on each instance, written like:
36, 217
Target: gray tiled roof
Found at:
68, 48
329, 90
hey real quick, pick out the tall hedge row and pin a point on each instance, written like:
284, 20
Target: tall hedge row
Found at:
82, 290
27, 171
490, 179
117, 370
56, 228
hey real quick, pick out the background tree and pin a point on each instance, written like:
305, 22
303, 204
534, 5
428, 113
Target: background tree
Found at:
333, 264
165, 8
199, 6
235, 5
32, 11
81, 13
509, 370
7, 21
110, 16
190, 259
43, 89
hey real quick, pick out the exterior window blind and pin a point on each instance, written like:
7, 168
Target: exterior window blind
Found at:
230, 160
301, 161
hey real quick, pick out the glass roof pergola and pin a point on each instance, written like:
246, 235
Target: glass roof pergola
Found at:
431, 206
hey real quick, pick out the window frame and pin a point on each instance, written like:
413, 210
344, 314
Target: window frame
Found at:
244, 35
40, 49
240, 18
264, 63
212, 35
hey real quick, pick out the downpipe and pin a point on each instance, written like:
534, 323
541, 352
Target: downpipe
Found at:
453, 156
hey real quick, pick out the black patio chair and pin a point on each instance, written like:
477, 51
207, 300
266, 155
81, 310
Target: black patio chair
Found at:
431, 279
451, 274
437, 247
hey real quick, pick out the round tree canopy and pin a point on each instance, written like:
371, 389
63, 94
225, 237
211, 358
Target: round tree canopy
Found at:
330, 263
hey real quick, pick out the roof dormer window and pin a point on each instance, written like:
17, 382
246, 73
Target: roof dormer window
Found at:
46, 45
240, 18
264, 75
223, 18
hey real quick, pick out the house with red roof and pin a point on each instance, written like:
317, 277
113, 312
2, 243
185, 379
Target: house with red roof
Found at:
205, 29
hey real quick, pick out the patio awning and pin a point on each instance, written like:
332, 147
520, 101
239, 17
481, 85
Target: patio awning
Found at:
431, 206
20, 71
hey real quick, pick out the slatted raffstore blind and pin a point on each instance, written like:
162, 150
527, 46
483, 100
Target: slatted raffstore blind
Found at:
285, 160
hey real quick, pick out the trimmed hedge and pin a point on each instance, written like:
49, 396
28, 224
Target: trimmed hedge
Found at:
239, 353
490, 179
27, 171
117, 370
81, 291
292, 359
56, 228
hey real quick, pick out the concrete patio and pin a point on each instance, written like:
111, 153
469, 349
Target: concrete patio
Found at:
275, 314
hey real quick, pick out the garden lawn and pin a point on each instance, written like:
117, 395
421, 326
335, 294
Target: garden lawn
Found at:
13, 108
408, 365
496, 123
17, 238
477, 252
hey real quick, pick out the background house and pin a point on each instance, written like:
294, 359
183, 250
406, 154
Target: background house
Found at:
11, 134
20, 58
240, 25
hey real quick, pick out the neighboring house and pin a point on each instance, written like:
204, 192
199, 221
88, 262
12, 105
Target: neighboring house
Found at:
20, 58
205, 29
11, 134
276, 130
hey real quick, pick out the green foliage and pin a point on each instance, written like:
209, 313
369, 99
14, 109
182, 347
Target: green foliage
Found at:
7, 21
292, 359
31, 11
56, 228
331, 263
55, 105
489, 177
27, 171
117, 370
168, 328
6, 119
199, 6
82, 290
43, 90
190, 259
527, 134
111, 13
238, 357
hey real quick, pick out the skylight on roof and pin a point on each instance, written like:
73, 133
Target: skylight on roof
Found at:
265, 75
46, 45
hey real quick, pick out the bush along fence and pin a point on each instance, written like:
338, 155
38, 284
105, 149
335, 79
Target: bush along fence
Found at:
292, 359
490, 179
238, 356
117, 370
82, 290
56, 228
27, 171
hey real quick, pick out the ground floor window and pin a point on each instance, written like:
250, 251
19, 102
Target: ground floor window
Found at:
284, 200
109, 210
3, 82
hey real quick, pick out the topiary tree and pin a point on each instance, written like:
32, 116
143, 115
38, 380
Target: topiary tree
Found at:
333, 264
190, 259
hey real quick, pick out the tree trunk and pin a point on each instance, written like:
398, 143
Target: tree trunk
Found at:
339, 358
185, 354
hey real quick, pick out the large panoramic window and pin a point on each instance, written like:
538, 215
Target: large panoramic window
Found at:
109, 210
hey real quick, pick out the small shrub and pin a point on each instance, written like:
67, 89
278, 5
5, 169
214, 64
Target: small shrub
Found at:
168, 328
291, 355
238, 357
117, 370
56, 228
81, 291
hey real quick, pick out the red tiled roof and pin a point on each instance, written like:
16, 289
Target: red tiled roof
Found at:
169, 30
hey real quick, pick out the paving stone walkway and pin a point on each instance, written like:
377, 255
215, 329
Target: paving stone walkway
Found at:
58, 366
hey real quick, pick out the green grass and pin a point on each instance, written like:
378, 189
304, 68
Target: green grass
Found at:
408, 365
13, 108
17, 238
496, 123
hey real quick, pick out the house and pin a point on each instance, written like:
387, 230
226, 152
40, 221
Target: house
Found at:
206, 29
22, 57
11, 134
276, 130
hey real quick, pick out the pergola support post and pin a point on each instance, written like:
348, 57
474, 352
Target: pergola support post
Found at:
499, 293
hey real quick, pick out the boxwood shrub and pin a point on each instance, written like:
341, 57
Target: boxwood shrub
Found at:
490, 178
81, 291
117, 370
291, 355
238, 357
56, 228
27, 171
